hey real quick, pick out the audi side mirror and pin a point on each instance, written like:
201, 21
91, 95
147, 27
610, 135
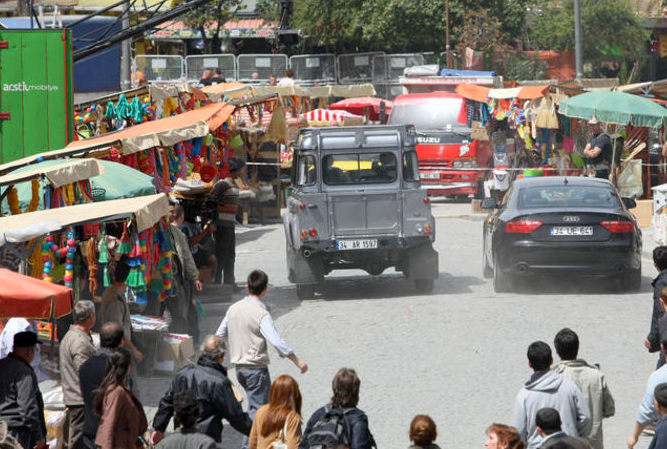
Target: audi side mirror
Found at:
488, 203
630, 203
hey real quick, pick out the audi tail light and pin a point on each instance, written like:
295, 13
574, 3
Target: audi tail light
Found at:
522, 226
618, 226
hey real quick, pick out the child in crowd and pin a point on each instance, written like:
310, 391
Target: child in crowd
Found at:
423, 433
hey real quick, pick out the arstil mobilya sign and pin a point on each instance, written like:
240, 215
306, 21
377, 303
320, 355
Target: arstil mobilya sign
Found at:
35, 92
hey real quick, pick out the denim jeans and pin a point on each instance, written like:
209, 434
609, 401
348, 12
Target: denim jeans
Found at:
256, 382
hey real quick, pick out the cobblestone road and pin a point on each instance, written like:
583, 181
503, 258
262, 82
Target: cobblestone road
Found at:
457, 354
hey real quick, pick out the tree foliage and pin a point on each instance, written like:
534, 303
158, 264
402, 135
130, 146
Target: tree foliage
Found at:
612, 31
396, 25
211, 16
523, 67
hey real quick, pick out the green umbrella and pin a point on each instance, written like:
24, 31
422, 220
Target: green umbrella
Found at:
615, 107
118, 181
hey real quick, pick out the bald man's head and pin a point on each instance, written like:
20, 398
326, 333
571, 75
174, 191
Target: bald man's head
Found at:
111, 335
213, 348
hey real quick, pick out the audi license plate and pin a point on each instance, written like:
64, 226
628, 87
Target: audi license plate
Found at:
343, 245
431, 175
572, 230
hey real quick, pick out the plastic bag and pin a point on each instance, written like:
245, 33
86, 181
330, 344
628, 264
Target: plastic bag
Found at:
629, 181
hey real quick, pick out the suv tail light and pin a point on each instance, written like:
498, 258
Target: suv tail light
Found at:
312, 232
522, 226
618, 226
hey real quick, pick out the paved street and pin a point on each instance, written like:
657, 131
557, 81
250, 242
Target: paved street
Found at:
457, 354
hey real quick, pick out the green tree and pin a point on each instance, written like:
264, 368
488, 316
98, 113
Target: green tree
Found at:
523, 67
211, 16
613, 33
396, 25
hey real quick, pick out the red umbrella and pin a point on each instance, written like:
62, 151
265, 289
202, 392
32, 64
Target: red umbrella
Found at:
27, 297
361, 105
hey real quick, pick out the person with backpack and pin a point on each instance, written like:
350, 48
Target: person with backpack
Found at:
279, 420
339, 423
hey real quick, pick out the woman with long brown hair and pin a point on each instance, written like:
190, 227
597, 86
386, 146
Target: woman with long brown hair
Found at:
122, 418
280, 419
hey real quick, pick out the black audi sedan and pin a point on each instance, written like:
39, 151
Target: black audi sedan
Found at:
561, 225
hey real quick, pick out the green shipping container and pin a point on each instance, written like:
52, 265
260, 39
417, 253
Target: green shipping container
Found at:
36, 98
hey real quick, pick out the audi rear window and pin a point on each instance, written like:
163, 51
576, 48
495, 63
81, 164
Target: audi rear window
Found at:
567, 196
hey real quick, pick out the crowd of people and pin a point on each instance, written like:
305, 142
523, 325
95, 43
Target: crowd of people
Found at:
558, 407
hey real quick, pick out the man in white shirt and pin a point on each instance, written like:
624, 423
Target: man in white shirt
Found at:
248, 326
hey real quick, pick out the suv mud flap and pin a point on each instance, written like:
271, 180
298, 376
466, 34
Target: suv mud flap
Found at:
422, 263
305, 270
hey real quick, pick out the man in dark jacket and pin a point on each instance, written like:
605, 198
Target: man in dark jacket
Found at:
209, 381
548, 425
660, 401
345, 387
652, 341
186, 410
92, 373
21, 404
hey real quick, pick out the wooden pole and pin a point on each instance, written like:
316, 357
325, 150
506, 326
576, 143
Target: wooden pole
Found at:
447, 47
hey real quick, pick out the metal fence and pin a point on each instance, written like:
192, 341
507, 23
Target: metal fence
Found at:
356, 67
195, 66
264, 65
389, 68
159, 67
309, 69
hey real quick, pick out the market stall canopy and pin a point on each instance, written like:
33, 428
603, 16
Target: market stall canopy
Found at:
481, 93
232, 90
359, 105
615, 107
27, 297
117, 180
58, 173
326, 115
144, 210
166, 131
55, 154
657, 89
344, 91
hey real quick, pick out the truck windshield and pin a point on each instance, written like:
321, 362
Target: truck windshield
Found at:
367, 168
439, 113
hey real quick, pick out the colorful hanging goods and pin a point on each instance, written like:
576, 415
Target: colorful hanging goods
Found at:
69, 260
125, 246
13, 199
104, 257
47, 245
91, 255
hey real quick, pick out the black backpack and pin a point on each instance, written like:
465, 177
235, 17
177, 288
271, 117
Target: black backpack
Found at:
331, 430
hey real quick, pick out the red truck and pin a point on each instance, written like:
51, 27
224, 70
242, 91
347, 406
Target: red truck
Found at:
445, 147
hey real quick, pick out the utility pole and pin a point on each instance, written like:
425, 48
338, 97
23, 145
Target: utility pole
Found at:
447, 48
577, 40
126, 51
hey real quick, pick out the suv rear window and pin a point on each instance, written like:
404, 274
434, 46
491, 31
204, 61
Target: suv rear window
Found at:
306, 173
367, 168
568, 196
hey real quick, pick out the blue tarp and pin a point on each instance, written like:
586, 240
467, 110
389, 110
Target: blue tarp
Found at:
453, 72
99, 73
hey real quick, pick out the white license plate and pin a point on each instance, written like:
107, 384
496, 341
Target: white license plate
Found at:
572, 230
429, 175
342, 245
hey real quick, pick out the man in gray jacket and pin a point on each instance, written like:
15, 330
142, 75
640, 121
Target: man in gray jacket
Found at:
181, 307
590, 381
75, 348
546, 388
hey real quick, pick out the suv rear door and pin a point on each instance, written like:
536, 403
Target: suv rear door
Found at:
363, 190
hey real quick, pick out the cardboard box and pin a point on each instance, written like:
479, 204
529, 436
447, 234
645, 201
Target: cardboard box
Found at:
643, 213
174, 351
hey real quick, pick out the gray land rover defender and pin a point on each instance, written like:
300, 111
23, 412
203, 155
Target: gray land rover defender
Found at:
356, 202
